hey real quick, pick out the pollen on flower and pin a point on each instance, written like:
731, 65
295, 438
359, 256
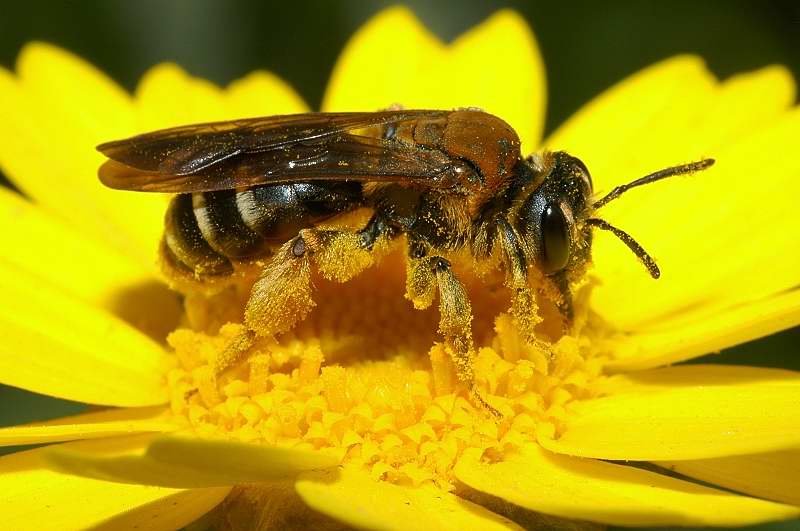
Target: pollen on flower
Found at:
366, 379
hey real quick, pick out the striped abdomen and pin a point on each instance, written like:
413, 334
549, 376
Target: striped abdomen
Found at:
206, 232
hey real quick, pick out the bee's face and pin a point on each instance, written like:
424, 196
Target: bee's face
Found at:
549, 219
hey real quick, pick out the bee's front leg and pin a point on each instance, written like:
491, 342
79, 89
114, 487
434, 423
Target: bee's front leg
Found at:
563, 299
524, 308
425, 276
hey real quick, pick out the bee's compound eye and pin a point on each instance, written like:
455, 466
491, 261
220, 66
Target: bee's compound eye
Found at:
555, 238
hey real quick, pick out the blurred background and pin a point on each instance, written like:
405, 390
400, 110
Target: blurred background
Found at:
587, 46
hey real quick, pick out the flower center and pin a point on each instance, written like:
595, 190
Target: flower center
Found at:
366, 378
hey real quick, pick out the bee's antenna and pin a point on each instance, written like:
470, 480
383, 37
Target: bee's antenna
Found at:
653, 177
632, 244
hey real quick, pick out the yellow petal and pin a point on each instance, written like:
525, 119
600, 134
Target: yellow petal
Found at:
614, 133
96, 425
63, 259
744, 103
193, 463
355, 498
54, 114
58, 345
257, 94
262, 94
497, 66
772, 475
699, 375
725, 243
167, 513
694, 335
722, 238
73, 83
680, 413
167, 96
593, 490
35, 497
726, 236
394, 59
373, 69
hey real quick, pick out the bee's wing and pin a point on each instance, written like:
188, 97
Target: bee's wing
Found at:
190, 158
345, 157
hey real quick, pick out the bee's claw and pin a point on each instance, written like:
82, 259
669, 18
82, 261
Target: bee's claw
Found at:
478, 399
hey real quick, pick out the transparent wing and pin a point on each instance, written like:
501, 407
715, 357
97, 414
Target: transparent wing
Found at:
343, 157
188, 149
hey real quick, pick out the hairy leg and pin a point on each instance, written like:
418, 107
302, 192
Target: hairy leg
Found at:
427, 275
563, 299
283, 294
524, 309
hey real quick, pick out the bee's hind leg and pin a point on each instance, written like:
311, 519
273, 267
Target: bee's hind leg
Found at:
280, 297
234, 351
283, 294
425, 276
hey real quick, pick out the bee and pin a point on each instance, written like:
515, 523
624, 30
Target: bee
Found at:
450, 182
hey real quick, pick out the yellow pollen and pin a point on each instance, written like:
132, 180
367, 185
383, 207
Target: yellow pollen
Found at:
365, 379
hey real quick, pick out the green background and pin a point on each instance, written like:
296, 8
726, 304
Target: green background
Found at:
587, 46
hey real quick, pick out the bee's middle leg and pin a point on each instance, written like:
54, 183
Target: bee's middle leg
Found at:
426, 276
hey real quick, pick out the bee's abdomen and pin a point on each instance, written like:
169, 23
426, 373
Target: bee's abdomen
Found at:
223, 226
185, 246
206, 232
278, 211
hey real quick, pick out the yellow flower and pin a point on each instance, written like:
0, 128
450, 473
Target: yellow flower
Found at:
353, 416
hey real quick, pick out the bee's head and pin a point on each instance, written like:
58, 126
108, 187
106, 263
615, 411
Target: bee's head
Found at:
549, 218
556, 218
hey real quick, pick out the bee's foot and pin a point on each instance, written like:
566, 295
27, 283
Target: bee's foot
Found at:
479, 401
234, 351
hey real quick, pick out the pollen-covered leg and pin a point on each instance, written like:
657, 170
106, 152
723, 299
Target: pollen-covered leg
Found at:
524, 308
234, 352
340, 255
425, 276
282, 295
561, 295
278, 300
